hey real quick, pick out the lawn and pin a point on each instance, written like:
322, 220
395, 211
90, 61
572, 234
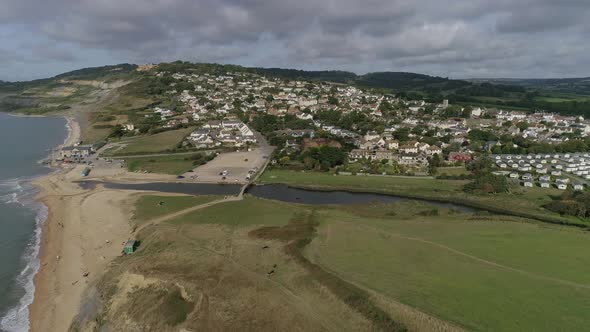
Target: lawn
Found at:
160, 142
453, 171
151, 206
481, 274
170, 164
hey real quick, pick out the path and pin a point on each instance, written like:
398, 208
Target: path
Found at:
176, 214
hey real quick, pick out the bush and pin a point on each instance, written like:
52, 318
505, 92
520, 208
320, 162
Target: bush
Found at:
488, 183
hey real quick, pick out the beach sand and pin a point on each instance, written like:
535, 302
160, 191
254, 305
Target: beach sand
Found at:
84, 231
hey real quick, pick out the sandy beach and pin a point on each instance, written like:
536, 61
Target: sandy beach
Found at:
84, 231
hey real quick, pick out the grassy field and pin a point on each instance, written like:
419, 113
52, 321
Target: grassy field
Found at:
453, 171
160, 142
248, 212
209, 274
482, 274
259, 264
152, 206
369, 183
172, 164
526, 202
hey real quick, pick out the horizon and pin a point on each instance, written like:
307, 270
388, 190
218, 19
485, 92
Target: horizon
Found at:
307, 70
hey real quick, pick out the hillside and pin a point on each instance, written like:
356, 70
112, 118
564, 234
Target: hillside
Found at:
580, 85
80, 87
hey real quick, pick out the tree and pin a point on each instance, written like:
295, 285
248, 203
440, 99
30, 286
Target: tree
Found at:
433, 164
332, 100
523, 125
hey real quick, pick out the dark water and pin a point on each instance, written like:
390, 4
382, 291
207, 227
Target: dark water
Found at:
171, 187
293, 195
273, 191
23, 143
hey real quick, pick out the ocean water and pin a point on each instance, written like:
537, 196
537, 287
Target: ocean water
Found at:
23, 143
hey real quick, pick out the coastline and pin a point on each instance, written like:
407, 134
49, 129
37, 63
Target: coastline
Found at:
77, 240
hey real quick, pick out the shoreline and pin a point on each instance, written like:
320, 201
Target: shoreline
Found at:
17, 318
84, 231
42, 252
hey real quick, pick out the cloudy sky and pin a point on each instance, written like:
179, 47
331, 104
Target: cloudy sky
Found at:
455, 38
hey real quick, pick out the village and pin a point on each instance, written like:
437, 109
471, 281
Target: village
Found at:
377, 133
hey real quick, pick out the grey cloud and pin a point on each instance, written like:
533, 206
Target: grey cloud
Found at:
460, 36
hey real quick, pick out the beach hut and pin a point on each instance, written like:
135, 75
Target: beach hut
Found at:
85, 172
130, 247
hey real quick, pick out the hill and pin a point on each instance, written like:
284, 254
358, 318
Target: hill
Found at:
566, 96
579, 85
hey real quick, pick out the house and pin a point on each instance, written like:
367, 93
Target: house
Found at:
408, 148
213, 124
75, 152
413, 160
432, 150
459, 156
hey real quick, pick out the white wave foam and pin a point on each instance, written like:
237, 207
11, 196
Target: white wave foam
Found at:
17, 318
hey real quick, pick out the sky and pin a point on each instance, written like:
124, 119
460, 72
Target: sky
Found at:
453, 38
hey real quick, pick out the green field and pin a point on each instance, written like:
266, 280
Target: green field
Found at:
248, 212
485, 275
389, 184
482, 273
161, 142
152, 206
453, 171
171, 164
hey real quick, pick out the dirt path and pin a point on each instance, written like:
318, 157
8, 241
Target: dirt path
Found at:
176, 214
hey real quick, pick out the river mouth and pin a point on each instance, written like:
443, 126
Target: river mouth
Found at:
279, 192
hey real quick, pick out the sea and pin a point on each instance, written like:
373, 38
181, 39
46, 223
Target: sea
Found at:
24, 143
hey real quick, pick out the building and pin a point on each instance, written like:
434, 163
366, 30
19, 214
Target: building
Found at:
130, 247
75, 152
459, 156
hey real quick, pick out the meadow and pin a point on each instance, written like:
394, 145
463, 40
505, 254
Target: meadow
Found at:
482, 273
479, 272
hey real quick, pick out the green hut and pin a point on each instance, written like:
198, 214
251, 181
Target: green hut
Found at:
130, 247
